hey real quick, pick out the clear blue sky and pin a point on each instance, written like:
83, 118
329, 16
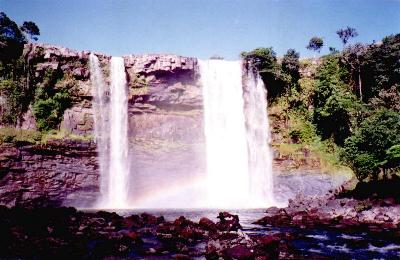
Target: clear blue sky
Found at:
204, 27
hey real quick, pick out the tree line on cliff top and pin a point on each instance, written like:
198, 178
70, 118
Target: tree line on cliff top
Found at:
355, 98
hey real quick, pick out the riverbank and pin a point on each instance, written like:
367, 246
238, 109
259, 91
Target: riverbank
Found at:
315, 228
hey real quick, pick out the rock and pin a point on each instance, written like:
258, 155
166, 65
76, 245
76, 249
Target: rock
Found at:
268, 246
69, 171
180, 257
239, 252
207, 224
228, 222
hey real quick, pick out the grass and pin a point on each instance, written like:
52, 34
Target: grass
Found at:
62, 135
16, 135
296, 139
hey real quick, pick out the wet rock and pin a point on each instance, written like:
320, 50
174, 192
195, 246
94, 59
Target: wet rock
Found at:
267, 246
181, 257
207, 224
228, 222
238, 252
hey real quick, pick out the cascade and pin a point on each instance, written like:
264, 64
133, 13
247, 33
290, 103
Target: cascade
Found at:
119, 144
236, 127
100, 118
258, 138
111, 131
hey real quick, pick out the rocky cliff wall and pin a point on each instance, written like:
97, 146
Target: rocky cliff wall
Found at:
57, 173
165, 130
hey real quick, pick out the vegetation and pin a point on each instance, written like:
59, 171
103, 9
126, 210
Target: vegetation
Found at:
346, 34
315, 44
346, 105
51, 99
49, 96
31, 29
13, 135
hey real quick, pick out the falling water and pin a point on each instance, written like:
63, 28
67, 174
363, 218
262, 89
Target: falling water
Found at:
239, 162
119, 168
258, 137
100, 116
111, 132
226, 148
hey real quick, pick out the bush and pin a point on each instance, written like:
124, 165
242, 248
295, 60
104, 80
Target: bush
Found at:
52, 98
374, 144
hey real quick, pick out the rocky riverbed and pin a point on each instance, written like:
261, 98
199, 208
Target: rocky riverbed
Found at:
315, 228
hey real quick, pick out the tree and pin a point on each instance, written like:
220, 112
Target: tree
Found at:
315, 44
291, 64
374, 146
11, 39
347, 33
381, 67
333, 50
261, 58
352, 57
31, 29
334, 106
265, 62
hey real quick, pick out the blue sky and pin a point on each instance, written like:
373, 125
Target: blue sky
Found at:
202, 28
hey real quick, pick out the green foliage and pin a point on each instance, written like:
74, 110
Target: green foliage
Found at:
334, 104
13, 135
291, 65
380, 68
263, 59
15, 89
315, 44
393, 157
265, 62
374, 144
52, 98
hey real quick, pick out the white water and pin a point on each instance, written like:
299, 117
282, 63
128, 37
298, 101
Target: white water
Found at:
119, 145
111, 133
224, 127
258, 138
100, 117
239, 161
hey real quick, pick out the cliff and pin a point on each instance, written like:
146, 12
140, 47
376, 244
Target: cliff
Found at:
165, 122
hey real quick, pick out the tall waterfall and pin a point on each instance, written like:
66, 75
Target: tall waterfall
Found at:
111, 130
100, 117
239, 168
119, 144
258, 137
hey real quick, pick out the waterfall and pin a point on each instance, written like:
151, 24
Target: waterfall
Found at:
111, 133
258, 137
100, 118
239, 161
119, 143
225, 132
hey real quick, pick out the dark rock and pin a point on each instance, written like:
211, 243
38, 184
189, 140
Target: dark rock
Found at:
239, 252
208, 224
228, 222
268, 246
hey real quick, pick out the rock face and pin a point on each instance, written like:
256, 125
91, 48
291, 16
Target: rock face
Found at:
158, 83
58, 173
165, 125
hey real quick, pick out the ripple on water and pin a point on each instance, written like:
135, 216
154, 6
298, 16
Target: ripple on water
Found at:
340, 248
385, 249
319, 237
